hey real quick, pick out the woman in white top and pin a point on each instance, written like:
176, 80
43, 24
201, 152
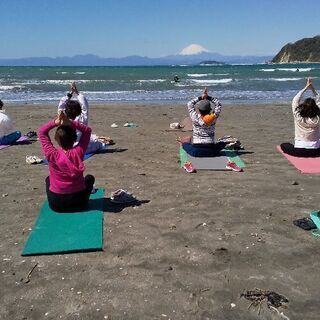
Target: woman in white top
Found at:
7, 135
306, 124
79, 110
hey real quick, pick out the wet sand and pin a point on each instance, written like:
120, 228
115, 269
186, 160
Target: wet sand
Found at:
195, 243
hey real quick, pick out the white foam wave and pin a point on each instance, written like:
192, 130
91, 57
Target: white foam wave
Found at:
198, 75
62, 81
288, 69
11, 87
151, 80
276, 79
80, 72
285, 79
295, 69
62, 72
216, 81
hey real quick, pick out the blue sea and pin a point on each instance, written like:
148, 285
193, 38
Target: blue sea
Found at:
260, 83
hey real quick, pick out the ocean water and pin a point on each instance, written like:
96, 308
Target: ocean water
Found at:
237, 84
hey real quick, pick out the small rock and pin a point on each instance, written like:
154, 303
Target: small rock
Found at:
4, 195
170, 268
295, 183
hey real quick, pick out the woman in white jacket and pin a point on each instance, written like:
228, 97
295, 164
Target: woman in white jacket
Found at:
306, 124
7, 135
79, 110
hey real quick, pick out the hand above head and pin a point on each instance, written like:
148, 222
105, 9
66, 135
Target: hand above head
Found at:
62, 119
204, 95
309, 83
57, 121
73, 88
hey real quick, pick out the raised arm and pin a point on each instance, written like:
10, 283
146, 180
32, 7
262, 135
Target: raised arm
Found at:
217, 106
296, 100
46, 144
192, 110
63, 102
85, 135
83, 118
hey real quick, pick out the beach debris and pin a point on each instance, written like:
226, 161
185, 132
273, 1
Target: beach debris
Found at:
202, 224
4, 195
28, 277
173, 226
295, 183
232, 305
114, 125
257, 296
175, 125
259, 238
130, 125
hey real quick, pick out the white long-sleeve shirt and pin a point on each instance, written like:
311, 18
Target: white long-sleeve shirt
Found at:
5, 124
83, 117
203, 133
307, 130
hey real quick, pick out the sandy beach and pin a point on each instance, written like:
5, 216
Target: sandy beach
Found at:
195, 243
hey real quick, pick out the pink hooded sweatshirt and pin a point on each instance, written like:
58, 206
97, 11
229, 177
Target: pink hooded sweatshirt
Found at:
65, 167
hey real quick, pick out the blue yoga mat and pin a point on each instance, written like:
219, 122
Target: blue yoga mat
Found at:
86, 156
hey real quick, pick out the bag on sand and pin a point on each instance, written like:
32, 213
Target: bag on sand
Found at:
232, 142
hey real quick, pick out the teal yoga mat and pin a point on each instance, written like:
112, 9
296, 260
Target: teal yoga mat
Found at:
316, 219
55, 233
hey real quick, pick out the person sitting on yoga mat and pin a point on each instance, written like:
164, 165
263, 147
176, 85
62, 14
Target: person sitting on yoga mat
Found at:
7, 135
306, 124
202, 144
78, 110
67, 189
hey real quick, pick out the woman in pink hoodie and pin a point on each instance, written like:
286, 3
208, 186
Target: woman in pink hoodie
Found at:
67, 189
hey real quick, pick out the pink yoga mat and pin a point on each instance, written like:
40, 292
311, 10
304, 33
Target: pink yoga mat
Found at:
305, 165
3, 146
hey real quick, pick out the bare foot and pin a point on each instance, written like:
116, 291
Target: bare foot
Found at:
182, 140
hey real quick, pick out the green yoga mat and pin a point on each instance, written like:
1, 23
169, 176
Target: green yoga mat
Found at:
232, 155
55, 233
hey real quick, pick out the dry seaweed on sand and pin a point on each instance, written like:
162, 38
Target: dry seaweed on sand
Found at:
257, 296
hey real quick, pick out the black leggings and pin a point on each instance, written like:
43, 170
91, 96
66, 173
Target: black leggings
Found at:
289, 148
71, 202
204, 150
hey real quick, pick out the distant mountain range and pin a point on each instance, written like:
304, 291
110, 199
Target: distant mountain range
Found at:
304, 50
93, 60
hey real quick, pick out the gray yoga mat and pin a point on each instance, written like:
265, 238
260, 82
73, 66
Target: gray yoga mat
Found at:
213, 163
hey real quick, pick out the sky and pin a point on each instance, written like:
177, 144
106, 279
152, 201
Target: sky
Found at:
153, 28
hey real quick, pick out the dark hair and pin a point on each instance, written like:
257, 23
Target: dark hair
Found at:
66, 136
1, 104
73, 109
205, 112
308, 108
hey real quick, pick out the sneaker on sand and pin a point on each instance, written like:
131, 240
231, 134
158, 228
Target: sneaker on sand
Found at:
233, 166
122, 196
33, 160
189, 167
